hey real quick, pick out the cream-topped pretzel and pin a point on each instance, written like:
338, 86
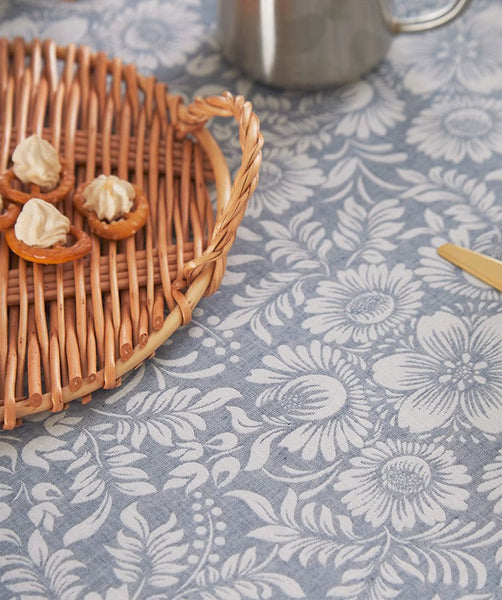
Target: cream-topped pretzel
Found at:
36, 165
115, 209
40, 235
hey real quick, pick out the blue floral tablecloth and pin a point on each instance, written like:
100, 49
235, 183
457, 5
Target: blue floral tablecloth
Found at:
329, 424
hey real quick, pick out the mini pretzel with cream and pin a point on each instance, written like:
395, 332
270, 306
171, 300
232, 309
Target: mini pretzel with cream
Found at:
36, 164
114, 208
40, 235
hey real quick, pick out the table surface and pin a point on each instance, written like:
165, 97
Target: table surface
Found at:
329, 423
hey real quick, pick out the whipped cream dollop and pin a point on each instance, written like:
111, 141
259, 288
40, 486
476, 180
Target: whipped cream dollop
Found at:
109, 197
40, 224
36, 161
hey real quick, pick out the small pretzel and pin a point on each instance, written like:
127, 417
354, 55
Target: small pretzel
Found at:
66, 182
9, 216
127, 226
50, 256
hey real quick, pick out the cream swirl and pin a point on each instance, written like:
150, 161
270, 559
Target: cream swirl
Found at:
109, 197
36, 161
40, 224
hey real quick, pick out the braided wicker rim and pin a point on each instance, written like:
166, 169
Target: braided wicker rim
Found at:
69, 330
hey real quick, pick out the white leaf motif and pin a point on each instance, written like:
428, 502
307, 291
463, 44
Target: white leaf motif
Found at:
435, 221
9, 536
189, 474
44, 515
10, 453
37, 548
286, 584
89, 526
241, 422
341, 172
288, 508
257, 503
44, 446
60, 424
131, 518
153, 555
216, 398
278, 534
225, 470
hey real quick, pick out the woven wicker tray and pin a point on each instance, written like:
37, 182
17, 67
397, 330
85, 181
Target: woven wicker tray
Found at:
68, 330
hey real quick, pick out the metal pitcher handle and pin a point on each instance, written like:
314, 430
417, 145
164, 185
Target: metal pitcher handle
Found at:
422, 22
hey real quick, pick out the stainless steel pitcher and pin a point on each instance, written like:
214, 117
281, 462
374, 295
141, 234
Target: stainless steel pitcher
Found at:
310, 44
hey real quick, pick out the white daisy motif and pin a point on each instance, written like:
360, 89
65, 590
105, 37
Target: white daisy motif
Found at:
363, 305
73, 29
403, 483
492, 482
441, 274
462, 127
285, 177
368, 107
19, 26
150, 36
317, 402
457, 372
467, 53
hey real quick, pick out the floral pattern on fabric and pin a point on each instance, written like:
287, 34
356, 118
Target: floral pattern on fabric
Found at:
329, 424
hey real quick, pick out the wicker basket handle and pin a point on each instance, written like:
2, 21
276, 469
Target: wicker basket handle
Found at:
192, 118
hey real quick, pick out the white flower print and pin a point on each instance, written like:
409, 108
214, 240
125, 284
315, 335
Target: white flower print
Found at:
285, 177
492, 483
404, 483
467, 53
363, 305
464, 126
368, 107
456, 372
150, 37
441, 274
209, 473
75, 28
318, 403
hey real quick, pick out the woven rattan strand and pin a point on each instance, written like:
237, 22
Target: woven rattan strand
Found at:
67, 330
